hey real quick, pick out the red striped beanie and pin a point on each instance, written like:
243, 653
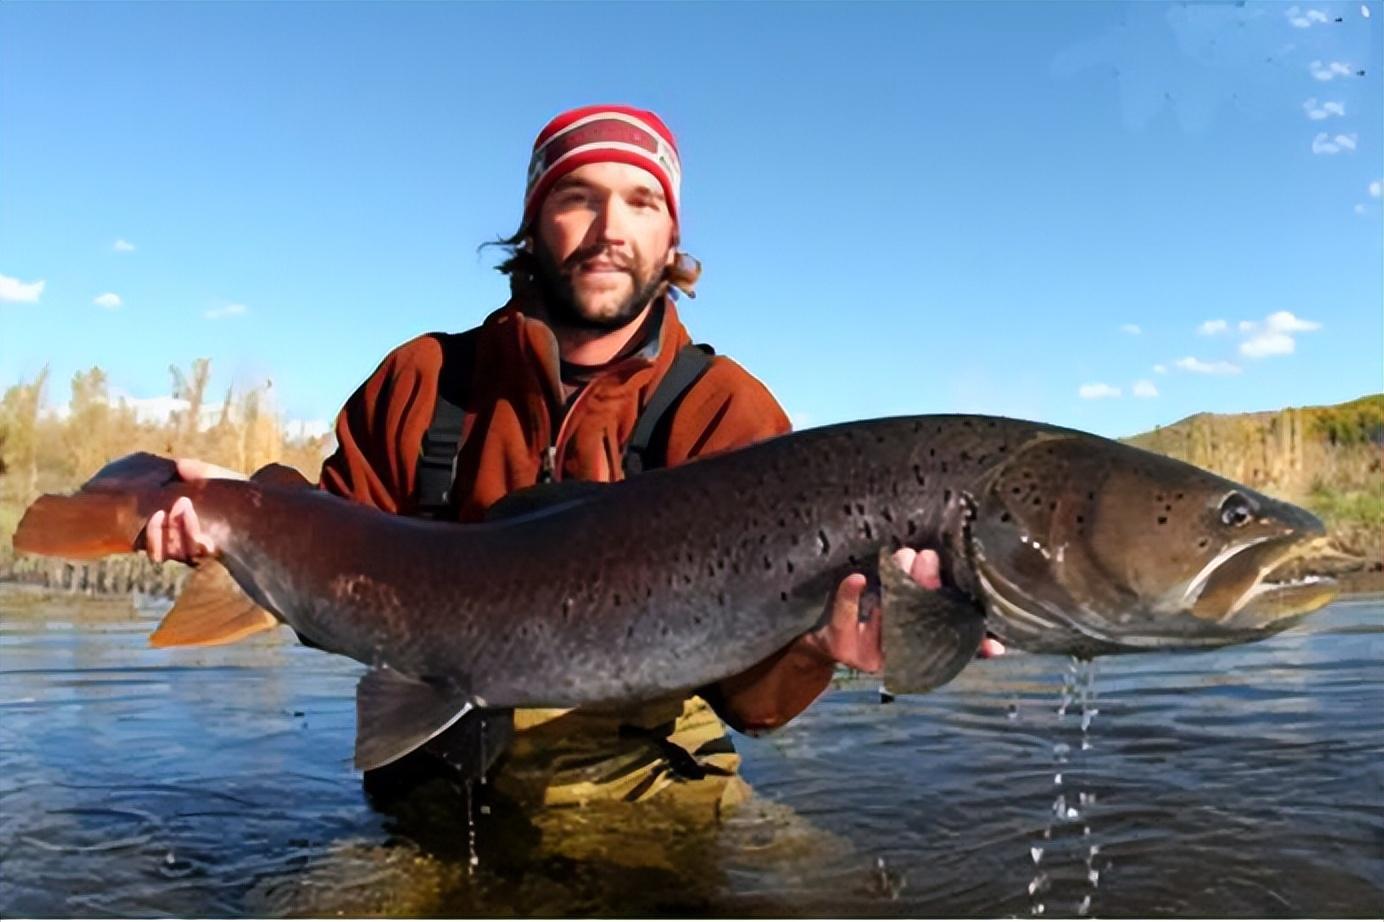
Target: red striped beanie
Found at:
603, 134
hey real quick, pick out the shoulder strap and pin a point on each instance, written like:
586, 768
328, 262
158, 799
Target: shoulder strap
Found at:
437, 458
689, 364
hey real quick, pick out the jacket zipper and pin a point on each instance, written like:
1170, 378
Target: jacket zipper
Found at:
547, 469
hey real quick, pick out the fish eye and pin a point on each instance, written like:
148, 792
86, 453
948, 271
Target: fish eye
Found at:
1236, 510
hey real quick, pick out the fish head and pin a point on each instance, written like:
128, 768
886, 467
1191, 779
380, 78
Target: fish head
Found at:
1086, 546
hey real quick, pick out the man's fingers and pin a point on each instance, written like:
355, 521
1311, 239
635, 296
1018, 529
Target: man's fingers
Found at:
905, 557
153, 536
927, 570
989, 647
195, 469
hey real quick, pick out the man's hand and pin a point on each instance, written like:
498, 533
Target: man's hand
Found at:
175, 533
855, 642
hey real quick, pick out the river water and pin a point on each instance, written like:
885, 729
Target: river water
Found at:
1241, 782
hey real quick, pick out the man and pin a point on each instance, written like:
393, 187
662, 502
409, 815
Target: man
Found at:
551, 387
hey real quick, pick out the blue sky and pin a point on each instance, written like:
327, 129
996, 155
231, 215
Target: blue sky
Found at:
901, 208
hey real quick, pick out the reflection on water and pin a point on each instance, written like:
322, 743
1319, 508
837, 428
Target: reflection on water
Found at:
1247, 781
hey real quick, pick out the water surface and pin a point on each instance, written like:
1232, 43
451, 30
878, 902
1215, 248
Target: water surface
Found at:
1240, 782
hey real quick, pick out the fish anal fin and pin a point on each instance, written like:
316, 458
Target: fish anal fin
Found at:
211, 609
928, 635
281, 475
395, 714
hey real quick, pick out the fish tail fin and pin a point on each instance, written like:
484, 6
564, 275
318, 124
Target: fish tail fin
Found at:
106, 516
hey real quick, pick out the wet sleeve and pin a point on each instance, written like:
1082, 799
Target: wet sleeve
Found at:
380, 429
729, 409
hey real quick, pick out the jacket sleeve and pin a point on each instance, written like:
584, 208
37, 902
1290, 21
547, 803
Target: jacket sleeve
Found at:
380, 429
729, 409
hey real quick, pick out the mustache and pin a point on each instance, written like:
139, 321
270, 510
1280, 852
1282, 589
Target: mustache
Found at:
578, 257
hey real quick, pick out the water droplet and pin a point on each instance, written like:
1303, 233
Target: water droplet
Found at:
1085, 906
1039, 909
1061, 750
1057, 778
1059, 806
1094, 877
1038, 883
1095, 849
1036, 852
1085, 744
170, 858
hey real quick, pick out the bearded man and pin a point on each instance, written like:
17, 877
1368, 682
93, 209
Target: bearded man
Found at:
587, 374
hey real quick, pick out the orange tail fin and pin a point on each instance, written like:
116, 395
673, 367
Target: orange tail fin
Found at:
106, 516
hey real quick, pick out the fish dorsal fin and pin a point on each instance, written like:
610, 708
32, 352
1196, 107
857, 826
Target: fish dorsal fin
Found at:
928, 636
281, 475
545, 497
211, 609
395, 714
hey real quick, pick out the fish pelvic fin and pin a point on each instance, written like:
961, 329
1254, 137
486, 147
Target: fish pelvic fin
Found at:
928, 635
211, 610
396, 714
106, 516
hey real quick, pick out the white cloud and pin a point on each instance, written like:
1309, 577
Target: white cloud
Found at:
123, 246
1145, 388
1246, 326
13, 290
230, 310
1324, 143
1326, 71
1133, 329
1359, 208
1327, 109
1374, 189
1096, 391
110, 301
1304, 19
1212, 327
1364, 11
1207, 368
1274, 335
1160, 369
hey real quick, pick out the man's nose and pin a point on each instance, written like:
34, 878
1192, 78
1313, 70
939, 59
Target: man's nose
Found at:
610, 224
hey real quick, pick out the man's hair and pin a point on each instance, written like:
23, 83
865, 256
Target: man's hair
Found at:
521, 265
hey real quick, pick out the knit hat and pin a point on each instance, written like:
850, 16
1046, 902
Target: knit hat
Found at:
602, 134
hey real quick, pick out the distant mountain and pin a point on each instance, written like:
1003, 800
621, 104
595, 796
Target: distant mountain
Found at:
1329, 459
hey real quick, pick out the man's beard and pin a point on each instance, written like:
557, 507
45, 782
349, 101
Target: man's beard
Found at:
555, 282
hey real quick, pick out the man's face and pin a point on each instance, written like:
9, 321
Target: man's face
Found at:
603, 240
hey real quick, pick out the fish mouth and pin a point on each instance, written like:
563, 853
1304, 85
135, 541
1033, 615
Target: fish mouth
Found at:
1260, 585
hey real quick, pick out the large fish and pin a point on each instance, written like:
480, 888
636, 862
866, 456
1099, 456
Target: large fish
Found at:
579, 594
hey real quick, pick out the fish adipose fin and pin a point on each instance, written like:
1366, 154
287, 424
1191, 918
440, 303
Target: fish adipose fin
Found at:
104, 517
395, 714
211, 609
281, 475
928, 636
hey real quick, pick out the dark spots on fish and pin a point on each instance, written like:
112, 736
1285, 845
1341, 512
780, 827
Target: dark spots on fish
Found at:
981, 459
1162, 520
1016, 490
1081, 520
894, 543
617, 600
788, 565
932, 452
687, 579
822, 543
783, 522
965, 455
867, 531
946, 497
1005, 517
859, 509
629, 632
697, 620
783, 597
879, 438
1052, 506
710, 568
1037, 501
1004, 448
1203, 542
1177, 496
1091, 496
768, 564
888, 514
846, 508
944, 467
852, 560
721, 599
912, 527
794, 541
919, 476
567, 609
1168, 507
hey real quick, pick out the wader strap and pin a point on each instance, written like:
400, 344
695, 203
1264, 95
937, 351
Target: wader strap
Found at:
437, 457
689, 364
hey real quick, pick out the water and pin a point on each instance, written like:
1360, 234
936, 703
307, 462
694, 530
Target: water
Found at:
1241, 782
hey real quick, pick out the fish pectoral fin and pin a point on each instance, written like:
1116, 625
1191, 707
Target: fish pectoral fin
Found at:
928, 635
395, 714
211, 609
